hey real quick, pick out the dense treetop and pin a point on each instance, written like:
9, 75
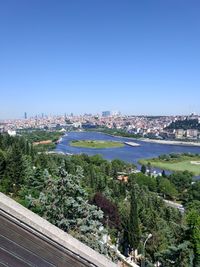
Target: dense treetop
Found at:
185, 124
83, 196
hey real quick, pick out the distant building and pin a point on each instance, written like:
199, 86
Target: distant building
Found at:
25, 115
193, 116
77, 124
106, 113
88, 125
12, 133
1, 128
63, 130
179, 133
192, 133
116, 113
189, 133
122, 178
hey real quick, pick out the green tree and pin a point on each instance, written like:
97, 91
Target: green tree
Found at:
36, 181
2, 163
64, 203
194, 191
144, 180
195, 204
182, 180
143, 169
15, 170
149, 168
167, 188
177, 256
133, 226
193, 221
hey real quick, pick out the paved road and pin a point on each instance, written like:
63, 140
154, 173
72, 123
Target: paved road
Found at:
174, 205
20, 247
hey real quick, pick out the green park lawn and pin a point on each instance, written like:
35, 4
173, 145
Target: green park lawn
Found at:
182, 164
96, 144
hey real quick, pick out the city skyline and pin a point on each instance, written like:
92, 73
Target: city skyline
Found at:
113, 113
86, 57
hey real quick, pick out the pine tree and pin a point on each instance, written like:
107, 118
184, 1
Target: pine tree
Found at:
64, 203
181, 256
15, 171
36, 181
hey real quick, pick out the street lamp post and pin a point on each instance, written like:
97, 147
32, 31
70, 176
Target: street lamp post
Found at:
143, 258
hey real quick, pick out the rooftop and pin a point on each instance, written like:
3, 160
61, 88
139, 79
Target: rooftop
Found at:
27, 240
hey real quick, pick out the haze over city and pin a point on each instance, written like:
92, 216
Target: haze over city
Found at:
88, 56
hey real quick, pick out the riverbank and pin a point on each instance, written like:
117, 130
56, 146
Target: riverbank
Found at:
126, 153
170, 142
116, 133
147, 140
155, 141
175, 163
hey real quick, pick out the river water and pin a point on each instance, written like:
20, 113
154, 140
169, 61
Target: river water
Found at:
126, 153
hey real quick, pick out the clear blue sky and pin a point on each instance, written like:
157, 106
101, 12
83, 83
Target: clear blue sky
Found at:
139, 57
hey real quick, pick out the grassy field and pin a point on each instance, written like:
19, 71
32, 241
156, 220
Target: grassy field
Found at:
96, 144
184, 163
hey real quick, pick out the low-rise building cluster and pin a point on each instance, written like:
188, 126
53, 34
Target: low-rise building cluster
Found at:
146, 126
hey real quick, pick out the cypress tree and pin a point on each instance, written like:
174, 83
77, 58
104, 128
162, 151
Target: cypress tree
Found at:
2, 164
149, 168
193, 220
143, 169
134, 229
